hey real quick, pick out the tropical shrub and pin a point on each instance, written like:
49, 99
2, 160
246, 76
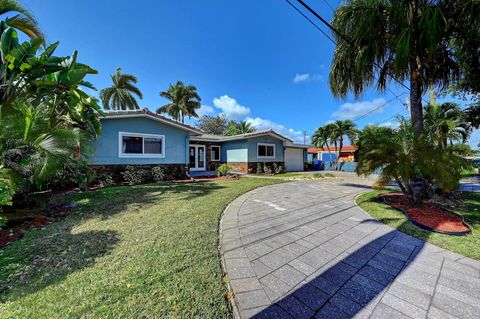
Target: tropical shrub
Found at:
278, 168
432, 163
6, 192
267, 169
105, 180
223, 170
158, 174
134, 175
259, 168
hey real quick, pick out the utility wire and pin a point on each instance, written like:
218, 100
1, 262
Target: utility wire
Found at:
344, 37
377, 108
313, 23
333, 41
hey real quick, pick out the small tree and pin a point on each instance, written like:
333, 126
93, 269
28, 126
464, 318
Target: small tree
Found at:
212, 124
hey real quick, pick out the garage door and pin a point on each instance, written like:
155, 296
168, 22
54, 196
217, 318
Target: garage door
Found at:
294, 159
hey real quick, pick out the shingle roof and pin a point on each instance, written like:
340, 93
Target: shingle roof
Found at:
221, 138
146, 113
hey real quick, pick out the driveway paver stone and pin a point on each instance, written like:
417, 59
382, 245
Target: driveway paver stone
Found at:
305, 250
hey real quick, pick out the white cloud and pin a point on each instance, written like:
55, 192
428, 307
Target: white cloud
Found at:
230, 107
305, 77
393, 125
205, 110
262, 124
349, 111
301, 77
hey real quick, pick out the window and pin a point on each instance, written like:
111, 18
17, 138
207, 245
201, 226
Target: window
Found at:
141, 145
215, 153
265, 150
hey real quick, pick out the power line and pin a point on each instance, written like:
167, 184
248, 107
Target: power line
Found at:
377, 108
344, 37
313, 23
333, 41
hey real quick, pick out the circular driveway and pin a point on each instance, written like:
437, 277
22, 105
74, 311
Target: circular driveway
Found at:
305, 250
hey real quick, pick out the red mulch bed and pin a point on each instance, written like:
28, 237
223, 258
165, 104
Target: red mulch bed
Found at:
429, 215
14, 229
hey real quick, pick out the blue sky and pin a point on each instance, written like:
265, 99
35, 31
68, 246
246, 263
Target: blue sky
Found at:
249, 59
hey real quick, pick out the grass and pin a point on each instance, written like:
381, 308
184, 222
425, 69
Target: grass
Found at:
468, 245
147, 251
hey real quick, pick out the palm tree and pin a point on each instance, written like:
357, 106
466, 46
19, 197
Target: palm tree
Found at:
31, 150
322, 137
22, 19
446, 123
339, 130
245, 127
121, 95
184, 101
399, 39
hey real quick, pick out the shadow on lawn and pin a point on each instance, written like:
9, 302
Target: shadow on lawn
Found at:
45, 258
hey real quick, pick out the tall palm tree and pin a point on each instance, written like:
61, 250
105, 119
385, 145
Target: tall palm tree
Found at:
339, 130
322, 137
21, 20
399, 39
245, 127
121, 95
446, 123
184, 101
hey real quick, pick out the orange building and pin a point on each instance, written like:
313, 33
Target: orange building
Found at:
349, 153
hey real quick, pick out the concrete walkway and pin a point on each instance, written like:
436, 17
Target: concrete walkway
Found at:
305, 250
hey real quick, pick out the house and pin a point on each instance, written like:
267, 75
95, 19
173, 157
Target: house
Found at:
149, 139
347, 157
348, 154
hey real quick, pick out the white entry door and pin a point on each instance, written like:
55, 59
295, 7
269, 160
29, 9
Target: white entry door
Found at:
197, 157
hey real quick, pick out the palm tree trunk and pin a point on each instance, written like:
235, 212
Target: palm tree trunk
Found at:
329, 151
336, 157
416, 111
340, 146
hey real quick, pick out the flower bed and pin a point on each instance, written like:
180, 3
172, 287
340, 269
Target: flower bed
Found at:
429, 216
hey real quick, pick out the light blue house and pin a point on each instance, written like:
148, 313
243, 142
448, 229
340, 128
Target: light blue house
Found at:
146, 138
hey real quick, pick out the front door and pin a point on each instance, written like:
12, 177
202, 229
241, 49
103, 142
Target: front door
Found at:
197, 157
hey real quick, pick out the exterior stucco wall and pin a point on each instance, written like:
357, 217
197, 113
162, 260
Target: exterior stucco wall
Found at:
106, 147
235, 151
252, 149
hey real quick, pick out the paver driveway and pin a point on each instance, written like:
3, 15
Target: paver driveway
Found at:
303, 250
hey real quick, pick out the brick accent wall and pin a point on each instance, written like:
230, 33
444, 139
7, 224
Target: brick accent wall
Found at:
172, 171
239, 167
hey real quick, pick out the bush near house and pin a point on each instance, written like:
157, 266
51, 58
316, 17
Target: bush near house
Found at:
223, 169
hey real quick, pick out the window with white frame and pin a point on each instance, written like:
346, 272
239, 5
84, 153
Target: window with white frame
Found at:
141, 145
265, 150
215, 153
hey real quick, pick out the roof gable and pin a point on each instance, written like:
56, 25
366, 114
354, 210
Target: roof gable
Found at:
154, 116
221, 138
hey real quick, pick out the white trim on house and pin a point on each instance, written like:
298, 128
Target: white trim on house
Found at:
266, 144
219, 153
195, 167
143, 136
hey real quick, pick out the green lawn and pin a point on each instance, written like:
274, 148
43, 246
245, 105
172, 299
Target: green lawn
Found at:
466, 245
147, 251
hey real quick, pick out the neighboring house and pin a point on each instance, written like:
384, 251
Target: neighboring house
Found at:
324, 154
149, 139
